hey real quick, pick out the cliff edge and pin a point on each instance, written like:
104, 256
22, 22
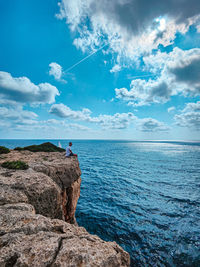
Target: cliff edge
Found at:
37, 216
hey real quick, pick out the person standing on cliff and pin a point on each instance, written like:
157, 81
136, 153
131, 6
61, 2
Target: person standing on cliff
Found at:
69, 152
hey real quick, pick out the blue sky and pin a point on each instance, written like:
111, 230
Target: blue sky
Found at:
118, 69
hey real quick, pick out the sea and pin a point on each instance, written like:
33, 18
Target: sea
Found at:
144, 195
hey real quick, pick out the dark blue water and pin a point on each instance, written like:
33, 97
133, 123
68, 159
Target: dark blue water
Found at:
143, 195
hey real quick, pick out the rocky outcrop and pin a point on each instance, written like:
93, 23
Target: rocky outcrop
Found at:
35, 206
51, 184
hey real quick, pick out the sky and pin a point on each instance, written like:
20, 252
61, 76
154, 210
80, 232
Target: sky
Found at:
109, 69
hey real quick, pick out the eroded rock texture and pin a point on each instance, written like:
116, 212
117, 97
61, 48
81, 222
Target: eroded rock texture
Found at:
51, 184
34, 207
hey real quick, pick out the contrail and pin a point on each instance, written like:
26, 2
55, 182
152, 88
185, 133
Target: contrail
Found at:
83, 59
140, 76
70, 68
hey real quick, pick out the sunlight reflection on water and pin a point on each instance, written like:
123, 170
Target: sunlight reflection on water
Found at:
165, 148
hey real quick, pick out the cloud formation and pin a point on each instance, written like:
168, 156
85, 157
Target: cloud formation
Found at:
49, 127
185, 70
152, 125
17, 114
56, 71
171, 109
24, 91
189, 117
115, 68
179, 75
144, 92
13, 116
65, 124
18, 119
64, 111
130, 27
116, 122
75, 126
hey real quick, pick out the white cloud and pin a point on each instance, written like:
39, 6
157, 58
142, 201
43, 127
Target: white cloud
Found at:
184, 69
189, 117
16, 114
18, 119
145, 92
194, 107
23, 120
115, 68
116, 121
130, 27
24, 91
75, 126
171, 109
179, 74
15, 117
66, 125
152, 125
4, 125
63, 111
56, 71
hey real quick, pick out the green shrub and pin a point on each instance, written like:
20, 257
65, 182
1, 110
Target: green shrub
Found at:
15, 165
19, 148
4, 150
45, 147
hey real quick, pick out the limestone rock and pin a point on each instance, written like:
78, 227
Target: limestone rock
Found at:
35, 188
28, 239
64, 171
33, 201
61, 176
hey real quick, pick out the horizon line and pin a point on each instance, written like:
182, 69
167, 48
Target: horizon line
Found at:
87, 139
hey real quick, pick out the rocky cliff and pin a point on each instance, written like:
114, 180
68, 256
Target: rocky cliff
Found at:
37, 206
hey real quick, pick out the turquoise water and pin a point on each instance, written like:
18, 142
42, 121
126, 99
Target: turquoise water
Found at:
143, 195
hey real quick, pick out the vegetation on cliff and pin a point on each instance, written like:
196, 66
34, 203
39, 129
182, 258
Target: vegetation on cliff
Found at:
15, 165
45, 147
19, 148
4, 150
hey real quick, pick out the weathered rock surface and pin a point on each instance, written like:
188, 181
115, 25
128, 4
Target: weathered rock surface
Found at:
51, 184
32, 204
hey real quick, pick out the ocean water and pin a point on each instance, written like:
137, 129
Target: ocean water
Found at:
143, 195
